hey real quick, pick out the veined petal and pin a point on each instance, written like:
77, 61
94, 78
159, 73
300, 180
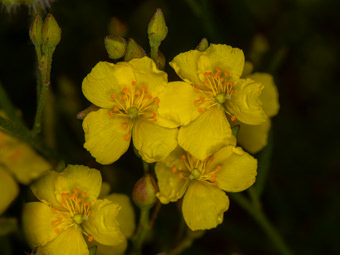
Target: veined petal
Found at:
37, 221
206, 134
85, 179
204, 205
224, 56
106, 79
185, 65
153, 142
245, 103
148, 74
44, 189
102, 223
8, 189
254, 138
110, 250
69, 242
238, 171
174, 159
126, 216
178, 103
105, 137
269, 95
171, 187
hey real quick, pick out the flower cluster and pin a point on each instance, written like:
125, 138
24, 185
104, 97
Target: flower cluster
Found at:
185, 126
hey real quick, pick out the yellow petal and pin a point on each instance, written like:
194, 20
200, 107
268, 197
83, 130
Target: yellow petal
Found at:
105, 137
238, 169
126, 216
8, 189
44, 188
269, 95
174, 159
37, 225
102, 223
106, 79
185, 65
248, 69
69, 242
206, 134
204, 205
110, 250
83, 178
245, 103
254, 138
178, 103
153, 142
223, 56
147, 74
171, 187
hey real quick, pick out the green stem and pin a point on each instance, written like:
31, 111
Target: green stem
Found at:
143, 229
40, 109
254, 209
154, 53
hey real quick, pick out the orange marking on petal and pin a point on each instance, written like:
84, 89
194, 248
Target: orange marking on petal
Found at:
173, 169
127, 138
213, 177
205, 83
232, 92
62, 203
79, 200
211, 158
207, 74
89, 213
216, 75
90, 239
154, 114
124, 97
221, 79
137, 92
233, 118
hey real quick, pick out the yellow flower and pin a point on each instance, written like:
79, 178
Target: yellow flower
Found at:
126, 220
254, 138
212, 95
128, 96
69, 211
202, 183
18, 162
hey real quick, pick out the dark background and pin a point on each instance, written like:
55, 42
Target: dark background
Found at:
301, 196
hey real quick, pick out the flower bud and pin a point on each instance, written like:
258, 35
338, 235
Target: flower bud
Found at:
203, 45
51, 32
35, 30
157, 29
133, 50
117, 27
161, 61
144, 192
115, 46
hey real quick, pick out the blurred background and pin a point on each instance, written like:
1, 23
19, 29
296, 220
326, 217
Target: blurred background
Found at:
295, 40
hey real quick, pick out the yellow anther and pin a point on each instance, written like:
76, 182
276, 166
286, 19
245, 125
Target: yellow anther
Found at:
173, 169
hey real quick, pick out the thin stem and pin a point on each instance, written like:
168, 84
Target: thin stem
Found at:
143, 229
254, 209
155, 214
186, 242
154, 53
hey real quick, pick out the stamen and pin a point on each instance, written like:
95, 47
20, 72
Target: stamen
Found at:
90, 239
113, 96
110, 113
182, 158
180, 175
133, 83
219, 168
200, 110
215, 184
115, 108
233, 118
173, 169
219, 69
83, 193
57, 231
124, 126
157, 100
143, 88
149, 96
76, 190
197, 88
127, 138
54, 209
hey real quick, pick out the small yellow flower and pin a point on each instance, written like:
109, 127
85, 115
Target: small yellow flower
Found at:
254, 138
128, 96
202, 183
8, 189
69, 211
212, 95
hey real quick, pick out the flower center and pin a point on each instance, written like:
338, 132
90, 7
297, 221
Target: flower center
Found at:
197, 169
221, 98
132, 112
73, 211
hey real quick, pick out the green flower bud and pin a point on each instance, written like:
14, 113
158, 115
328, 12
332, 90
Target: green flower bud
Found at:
157, 29
35, 31
115, 46
51, 32
133, 50
144, 192
117, 27
203, 45
161, 61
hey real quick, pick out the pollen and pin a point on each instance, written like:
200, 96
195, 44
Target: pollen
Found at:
182, 158
233, 118
124, 126
113, 96
127, 138
90, 239
173, 169
219, 168
133, 83
180, 175
200, 110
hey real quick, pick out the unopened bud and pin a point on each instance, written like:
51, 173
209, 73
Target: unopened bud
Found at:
35, 30
51, 32
115, 46
161, 61
117, 27
203, 45
144, 192
157, 29
133, 50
